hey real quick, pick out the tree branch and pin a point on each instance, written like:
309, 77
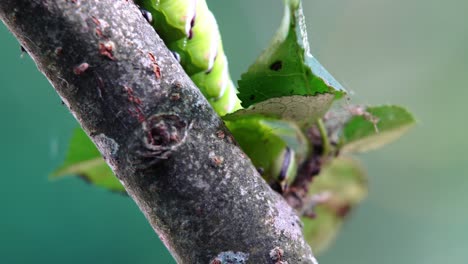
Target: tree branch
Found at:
170, 150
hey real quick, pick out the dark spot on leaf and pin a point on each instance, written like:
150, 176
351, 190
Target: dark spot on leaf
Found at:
276, 66
252, 97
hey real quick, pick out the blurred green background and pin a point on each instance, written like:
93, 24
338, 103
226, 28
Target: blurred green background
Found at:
407, 52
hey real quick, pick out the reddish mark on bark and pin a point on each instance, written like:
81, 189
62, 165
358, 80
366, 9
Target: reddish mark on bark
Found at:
59, 51
276, 255
220, 134
106, 49
141, 118
162, 134
80, 69
217, 160
155, 65
128, 89
96, 21
131, 96
175, 96
137, 100
98, 32
216, 261
98, 29
136, 111
159, 135
174, 137
152, 58
177, 85
157, 71
230, 139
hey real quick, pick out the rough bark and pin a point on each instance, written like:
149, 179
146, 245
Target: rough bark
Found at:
170, 150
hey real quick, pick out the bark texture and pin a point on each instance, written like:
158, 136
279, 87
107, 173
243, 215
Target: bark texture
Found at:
170, 150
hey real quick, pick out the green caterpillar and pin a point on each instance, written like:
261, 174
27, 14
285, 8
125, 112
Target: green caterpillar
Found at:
190, 30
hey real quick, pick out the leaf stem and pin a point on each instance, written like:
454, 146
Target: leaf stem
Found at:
324, 134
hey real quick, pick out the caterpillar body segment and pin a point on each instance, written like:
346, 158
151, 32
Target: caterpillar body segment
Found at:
190, 30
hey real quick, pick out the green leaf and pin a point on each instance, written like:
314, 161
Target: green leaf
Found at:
84, 160
375, 127
340, 186
303, 110
286, 67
